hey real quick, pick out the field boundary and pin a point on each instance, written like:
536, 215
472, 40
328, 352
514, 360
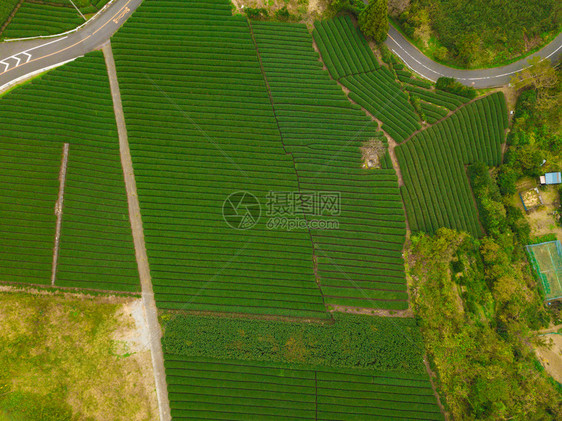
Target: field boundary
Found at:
58, 210
149, 303
449, 114
25, 286
10, 18
270, 95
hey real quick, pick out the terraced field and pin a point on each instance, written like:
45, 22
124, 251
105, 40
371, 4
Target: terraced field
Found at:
34, 19
47, 17
350, 60
205, 389
199, 131
29, 181
70, 105
358, 367
360, 264
437, 192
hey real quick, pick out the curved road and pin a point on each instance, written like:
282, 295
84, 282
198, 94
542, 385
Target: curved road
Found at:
479, 78
21, 58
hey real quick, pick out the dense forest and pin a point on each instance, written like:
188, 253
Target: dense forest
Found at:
477, 33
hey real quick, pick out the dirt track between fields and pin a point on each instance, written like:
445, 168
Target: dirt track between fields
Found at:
151, 312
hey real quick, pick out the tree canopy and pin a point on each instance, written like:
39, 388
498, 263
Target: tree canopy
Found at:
373, 20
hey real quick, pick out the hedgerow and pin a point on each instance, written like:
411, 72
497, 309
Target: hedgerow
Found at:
353, 341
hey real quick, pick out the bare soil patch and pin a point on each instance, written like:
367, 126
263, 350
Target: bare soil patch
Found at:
551, 356
370, 311
88, 353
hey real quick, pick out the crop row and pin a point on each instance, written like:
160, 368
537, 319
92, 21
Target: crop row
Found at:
34, 19
345, 51
382, 97
413, 81
27, 198
440, 98
202, 129
96, 247
203, 388
432, 112
437, 192
359, 263
72, 105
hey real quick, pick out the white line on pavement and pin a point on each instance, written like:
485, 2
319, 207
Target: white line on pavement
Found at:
43, 45
413, 58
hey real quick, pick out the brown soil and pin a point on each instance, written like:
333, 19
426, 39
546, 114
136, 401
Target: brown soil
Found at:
551, 356
306, 11
541, 219
371, 312
432, 377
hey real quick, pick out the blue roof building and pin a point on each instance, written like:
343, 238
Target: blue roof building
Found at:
551, 178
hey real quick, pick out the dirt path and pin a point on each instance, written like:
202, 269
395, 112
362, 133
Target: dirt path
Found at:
373, 312
58, 210
432, 377
151, 313
552, 329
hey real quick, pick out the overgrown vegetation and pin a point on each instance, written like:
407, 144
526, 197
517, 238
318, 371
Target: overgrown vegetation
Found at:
477, 305
354, 7
471, 33
449, 84
58, 361
536, 135
373, 20
353, 341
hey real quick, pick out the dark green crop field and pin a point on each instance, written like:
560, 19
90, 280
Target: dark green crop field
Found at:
70, 105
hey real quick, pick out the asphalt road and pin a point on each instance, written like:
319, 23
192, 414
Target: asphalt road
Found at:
20, 58
479, 78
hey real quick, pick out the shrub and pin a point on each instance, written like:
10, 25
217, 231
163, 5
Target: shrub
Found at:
255, 13
282, 14
449, 84
373, 20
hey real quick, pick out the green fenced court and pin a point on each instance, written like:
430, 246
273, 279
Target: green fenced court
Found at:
546, 259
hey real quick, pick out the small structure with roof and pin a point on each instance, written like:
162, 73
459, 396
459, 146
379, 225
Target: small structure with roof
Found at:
551, 178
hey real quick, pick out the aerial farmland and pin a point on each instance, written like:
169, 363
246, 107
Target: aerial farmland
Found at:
275, 211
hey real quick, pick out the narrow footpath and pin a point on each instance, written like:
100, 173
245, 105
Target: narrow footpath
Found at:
138, 238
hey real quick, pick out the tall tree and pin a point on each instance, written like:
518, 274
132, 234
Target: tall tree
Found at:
373, 21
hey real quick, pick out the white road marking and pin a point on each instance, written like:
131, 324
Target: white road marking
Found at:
413, 58
411, 68
458, 78
44, 45
26, 53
